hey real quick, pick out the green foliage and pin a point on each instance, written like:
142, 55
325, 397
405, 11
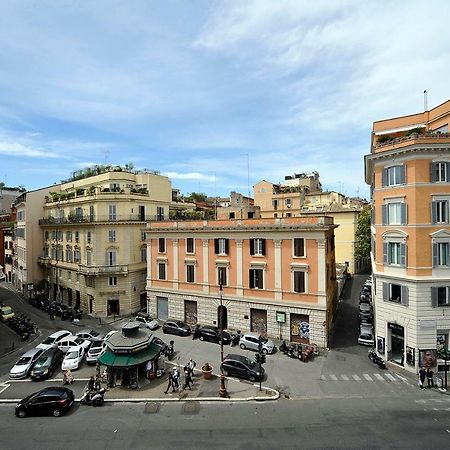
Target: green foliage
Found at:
414, 131
362, 246
384, 138
196, 197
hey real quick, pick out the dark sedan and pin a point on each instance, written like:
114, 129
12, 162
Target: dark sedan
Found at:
51, 400
213, 334
176, 327
241, 367
47, 363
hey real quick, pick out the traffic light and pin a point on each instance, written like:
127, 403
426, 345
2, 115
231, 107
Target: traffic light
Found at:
260, 358
263, 358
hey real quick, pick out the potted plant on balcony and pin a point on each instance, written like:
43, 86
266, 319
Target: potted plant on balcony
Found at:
207, 371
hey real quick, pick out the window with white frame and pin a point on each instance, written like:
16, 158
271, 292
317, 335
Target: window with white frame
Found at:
394, 253
440, 296
440, 211
88, 258
393, 176
396, 293
112, 235
221, 246
299, 281
257, 247
441, 256
256, 278
440, 172
161, 245
111, 258
190, 245
288, 202
393, 213
143, 254
161, 271
190, 273
112, 212
68, 236
222, 275
76, 256
299, 247
112, 281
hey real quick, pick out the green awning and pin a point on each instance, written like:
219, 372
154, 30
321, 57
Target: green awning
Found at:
111, 359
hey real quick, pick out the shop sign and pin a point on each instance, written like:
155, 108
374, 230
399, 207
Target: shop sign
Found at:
281, 317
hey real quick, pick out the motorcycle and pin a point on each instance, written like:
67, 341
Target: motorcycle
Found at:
196, 332
235, 338
93, 397
376, 359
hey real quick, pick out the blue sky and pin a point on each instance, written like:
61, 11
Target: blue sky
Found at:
217, 95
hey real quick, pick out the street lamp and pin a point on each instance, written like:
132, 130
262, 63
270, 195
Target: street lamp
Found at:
222, 389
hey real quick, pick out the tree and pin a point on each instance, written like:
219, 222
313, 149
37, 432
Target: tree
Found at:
362, 246
196, 197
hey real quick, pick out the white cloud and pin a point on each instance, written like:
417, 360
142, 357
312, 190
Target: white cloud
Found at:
20, 150
193, 176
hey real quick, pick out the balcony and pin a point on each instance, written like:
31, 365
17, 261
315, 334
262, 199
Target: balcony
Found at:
120, 269
99, 219
412, 139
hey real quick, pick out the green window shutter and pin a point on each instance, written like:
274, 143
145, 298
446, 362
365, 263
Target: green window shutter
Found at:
385, 253
403, 214
435, 255
433, 212
403, 255
434, 297
384, 214
384, 177
252, 246
405, 296
385, 292
403, 174
433, 172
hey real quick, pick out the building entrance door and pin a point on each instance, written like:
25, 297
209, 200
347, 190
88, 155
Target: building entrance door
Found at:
258, 318
162, 308
190, 312
300, 328
113, 307
397, 343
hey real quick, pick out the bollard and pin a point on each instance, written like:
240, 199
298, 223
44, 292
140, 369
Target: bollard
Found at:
99, 320
12, 347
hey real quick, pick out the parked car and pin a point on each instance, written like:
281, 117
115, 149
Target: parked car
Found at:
367, 320
23, 366
90, 335
251, 341
51, 400
364, 310
241, 367
213, 334
94, 352
63, 311
147, 321
109, 334
73, 341
49, 361
6, 313
176, 327
366, 336
73, 358
365, 298
53, 339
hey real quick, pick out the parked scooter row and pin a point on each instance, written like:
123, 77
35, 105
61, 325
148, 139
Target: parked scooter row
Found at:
55, 309
299, 351
93, 397
376, 359
23, 326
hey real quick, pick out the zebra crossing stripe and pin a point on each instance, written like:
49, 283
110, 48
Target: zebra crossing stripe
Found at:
378, 377
367, 377
323, 377
333, 377
356, 377
390, 377
345, 377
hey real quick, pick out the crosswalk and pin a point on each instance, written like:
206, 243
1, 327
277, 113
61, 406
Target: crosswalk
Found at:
364, 377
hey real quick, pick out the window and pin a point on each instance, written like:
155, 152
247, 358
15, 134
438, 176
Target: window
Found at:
60, 235
222, 275
112, 212
221, 246
88, 258
299, 247
159, 213
161, 245
90, 282
394, 253
258, 247
77, 236
78, 214
112, 281
89, 237
76, 256
288, 202
114, 187
68, 236
112, 235
256, 279
439, 211
111, 258
161, 271
393, 213
393, 176
190, 273
143, 235
231, 215
143, 254
69, 255
91, 213
441, 256
395, 293
275, 203
190, 245
440, 172
299, 281
440, 296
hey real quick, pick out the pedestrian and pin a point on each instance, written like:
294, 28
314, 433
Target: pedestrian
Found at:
170, 384
187, 378
191, 366
422, 375
91, 384
176, 380
430, 381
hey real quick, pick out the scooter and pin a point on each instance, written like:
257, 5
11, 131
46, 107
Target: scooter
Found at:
93, 397
376, 359
235, 338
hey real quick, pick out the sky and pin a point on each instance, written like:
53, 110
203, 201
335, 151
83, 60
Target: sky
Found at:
217, 95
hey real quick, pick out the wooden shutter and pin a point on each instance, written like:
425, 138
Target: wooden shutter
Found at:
384, 177
433, 212
251, 279
433, 172
403, 254
434, 297
435, 255
263, 246
227, 247
252, 246
385, 292
403, 214
384, 214
403, 174
216, 246
405, 297
385, 253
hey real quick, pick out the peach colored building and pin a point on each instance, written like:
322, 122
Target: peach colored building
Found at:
409, 172
278, 275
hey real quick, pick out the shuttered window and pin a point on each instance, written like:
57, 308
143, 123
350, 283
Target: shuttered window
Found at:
396, 293
299, 281
257, 247
256, 279
221, 246
439, 211
440, 296
394, 253
393, 176
440, 172
441, 254
394, 213
299, 247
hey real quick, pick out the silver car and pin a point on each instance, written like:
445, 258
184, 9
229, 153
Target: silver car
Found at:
251, 341
23, 367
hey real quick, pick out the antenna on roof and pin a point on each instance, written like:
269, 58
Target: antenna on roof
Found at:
425, 100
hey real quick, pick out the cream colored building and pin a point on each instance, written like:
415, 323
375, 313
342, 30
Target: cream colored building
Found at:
236, 206
94, 254
301, 195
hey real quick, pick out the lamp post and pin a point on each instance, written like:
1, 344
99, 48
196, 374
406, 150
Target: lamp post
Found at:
222, 389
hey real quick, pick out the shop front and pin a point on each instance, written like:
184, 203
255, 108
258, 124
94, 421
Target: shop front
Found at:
396, 336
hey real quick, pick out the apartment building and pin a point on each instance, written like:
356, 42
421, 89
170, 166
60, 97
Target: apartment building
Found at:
94, 254
302, 195
408, 169
237, 206
278, 275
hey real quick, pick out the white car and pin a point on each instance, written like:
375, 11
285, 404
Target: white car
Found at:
147, 321
53, 339
23, 367
94, 352
73, 358
73, 341
251, 341
90, 335
366, 336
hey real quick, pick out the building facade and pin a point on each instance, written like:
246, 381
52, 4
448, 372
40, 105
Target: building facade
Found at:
93, 252
278, 275
408, 169
237, 206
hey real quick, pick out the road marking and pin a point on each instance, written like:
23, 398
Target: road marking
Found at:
333, 377
405, 380
323, 378
356, 378
345, 377
367, 377
390, 377
378, 377
3, 387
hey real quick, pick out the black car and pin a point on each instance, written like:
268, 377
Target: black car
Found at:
51, 400
176, 327
63, 311
160, 343
47, 363
213, 334
241, 367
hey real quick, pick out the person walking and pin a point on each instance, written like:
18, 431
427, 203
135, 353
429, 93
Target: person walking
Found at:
422, 376
187, 378
430, 381
176, 380
191, 366
170, 384
91, 384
